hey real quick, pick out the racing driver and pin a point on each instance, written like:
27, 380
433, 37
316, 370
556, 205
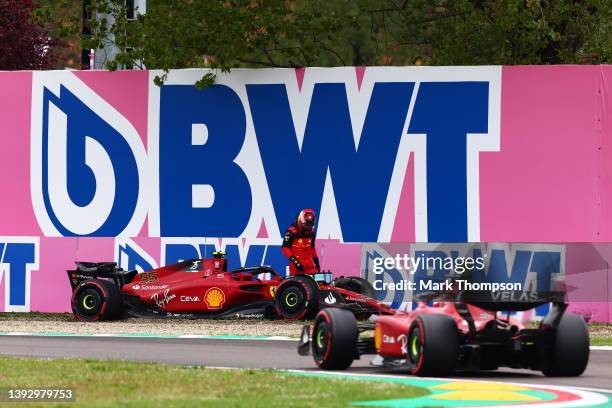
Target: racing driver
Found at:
299, 244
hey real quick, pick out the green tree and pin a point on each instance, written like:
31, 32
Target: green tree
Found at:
225, 34
469, 32
221, 34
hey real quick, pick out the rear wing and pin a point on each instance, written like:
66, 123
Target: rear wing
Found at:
99, 270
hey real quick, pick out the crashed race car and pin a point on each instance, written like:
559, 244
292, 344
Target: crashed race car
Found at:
205, 288
455, 334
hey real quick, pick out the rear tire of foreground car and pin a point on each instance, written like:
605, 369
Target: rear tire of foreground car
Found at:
97, 299
432, 346
334, 339
569, 354
297, 298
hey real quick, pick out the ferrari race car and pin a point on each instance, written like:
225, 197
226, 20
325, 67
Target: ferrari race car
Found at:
447, 336
205, 288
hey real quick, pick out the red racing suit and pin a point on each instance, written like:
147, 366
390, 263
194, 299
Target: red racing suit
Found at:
299, 247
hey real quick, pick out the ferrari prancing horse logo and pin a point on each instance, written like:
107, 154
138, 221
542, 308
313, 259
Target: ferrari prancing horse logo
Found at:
273, 291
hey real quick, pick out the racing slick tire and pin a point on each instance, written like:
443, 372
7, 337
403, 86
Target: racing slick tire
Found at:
357, 285
334, 339
297, 298
569, 354
97, 299
432, 346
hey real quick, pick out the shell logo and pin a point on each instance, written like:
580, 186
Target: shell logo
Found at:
214, 298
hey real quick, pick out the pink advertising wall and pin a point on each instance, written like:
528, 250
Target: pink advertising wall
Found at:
107, 166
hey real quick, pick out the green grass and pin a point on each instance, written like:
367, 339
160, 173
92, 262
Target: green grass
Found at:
131, 384
601, 334
601, 341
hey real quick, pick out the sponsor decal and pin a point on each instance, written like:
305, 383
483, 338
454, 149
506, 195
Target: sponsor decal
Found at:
214, 298
356, 298
250, 316
514, 296
194, 266
183, 315
149, 287
190, 299
403, 340
207, 272
165, 299
74, 277
273, 291
330, 299
388, 339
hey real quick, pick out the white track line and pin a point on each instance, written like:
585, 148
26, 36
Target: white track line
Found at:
604, 348
594, 389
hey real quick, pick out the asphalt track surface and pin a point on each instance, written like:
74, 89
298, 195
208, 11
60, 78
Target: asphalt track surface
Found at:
280, 354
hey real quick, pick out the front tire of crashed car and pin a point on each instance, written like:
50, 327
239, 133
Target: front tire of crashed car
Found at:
97, 299
297, 298
334, 339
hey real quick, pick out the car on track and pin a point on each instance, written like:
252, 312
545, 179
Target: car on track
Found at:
206, 288
442, 337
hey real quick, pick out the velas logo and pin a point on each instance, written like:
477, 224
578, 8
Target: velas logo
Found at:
87, 161
214, 298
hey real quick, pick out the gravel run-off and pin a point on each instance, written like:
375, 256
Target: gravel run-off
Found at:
66, 323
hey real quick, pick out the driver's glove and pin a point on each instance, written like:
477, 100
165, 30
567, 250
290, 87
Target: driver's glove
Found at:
297, 263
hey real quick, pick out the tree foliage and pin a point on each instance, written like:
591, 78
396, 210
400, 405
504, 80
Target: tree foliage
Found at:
225, 34
472, 32
26, 40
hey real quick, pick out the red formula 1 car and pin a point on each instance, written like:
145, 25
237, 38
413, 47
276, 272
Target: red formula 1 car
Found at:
437, 340
205, 288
